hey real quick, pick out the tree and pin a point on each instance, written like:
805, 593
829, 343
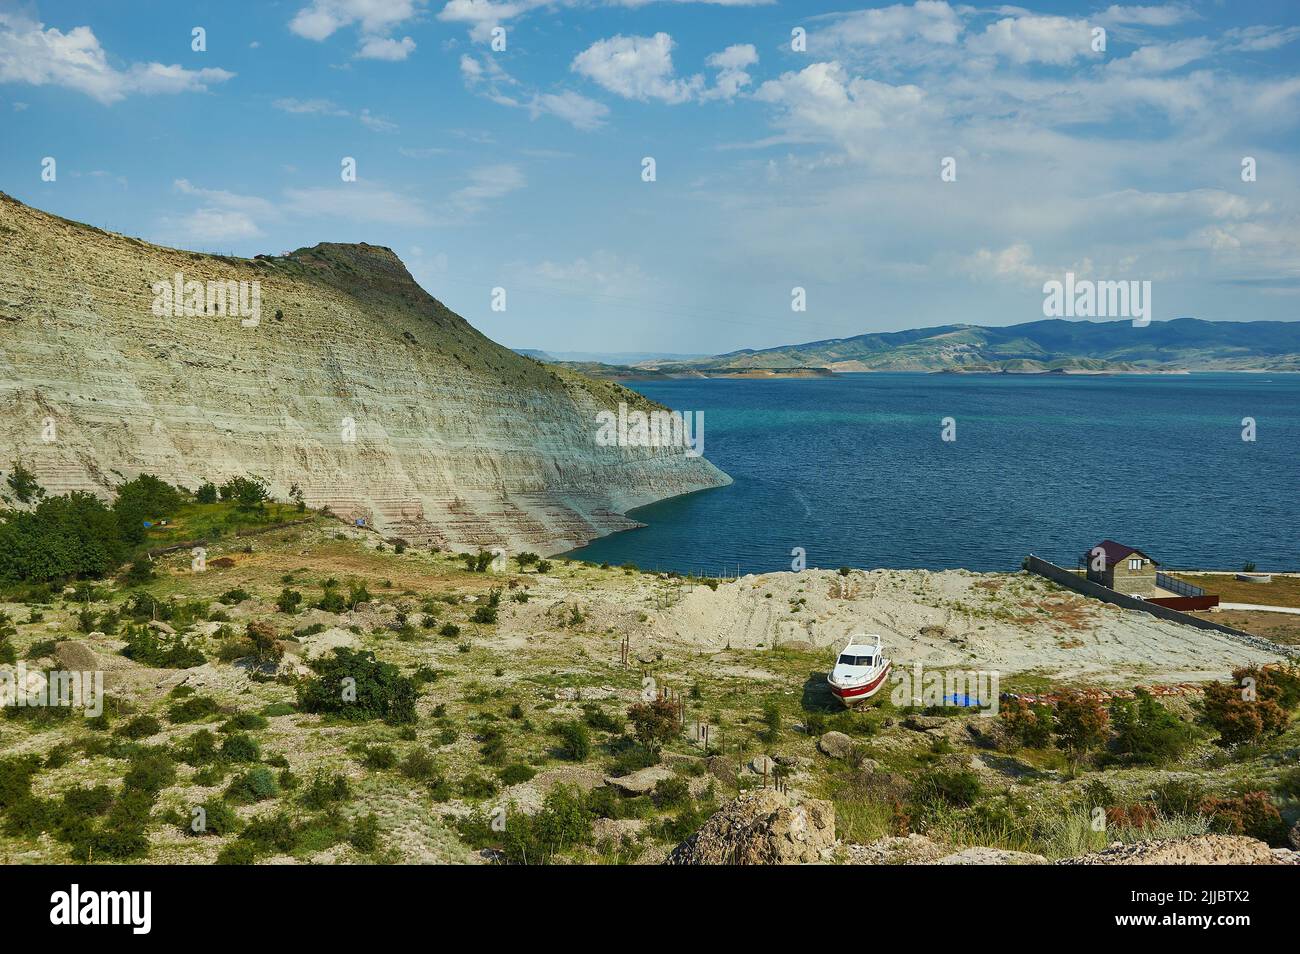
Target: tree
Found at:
144, 499
207, 493
654, 722
23, 483
1081, 724
356, 686
296, 495
1147, 732
247, 493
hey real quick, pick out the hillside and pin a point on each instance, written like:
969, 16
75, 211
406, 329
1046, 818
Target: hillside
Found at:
456, 440
1183, 344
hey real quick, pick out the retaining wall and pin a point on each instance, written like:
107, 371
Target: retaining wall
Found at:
1087, 587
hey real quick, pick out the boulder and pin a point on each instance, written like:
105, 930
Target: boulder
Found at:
722, 768
1294, 837
640, 782
160, 626
835, 745
761, 828
921, 723
325, 642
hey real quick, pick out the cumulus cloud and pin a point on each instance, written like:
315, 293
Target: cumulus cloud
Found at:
31, 53
379, 48
1036, 39
636, 67
731, 65
375, 19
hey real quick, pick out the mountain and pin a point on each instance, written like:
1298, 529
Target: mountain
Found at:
355, 384
1038, 346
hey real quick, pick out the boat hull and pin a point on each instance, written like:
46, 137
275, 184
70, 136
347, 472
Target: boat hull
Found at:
853, 695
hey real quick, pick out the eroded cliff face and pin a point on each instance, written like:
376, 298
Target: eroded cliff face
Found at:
355, 384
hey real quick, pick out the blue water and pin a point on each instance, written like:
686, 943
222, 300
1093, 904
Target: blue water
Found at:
853, 470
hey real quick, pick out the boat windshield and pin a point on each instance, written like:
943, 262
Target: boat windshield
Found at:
848, 660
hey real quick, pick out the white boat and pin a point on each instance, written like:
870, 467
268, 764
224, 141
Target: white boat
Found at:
859, 671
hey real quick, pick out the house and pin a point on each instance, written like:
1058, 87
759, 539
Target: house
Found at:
1124, 569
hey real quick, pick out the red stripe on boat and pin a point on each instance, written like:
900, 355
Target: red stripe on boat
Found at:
861, 690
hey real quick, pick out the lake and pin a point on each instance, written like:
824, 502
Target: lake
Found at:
854, 470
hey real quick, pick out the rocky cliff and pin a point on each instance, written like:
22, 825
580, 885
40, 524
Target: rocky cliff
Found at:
353, 382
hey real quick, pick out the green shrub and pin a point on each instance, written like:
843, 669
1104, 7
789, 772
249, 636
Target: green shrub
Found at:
379, 757
218, 819
672, 792
356, 686
365, 833
255, 785
239, 747
151, 771
957, 787
192, 709
325, 791
1147, 732
575, 741
140, 727
516, 773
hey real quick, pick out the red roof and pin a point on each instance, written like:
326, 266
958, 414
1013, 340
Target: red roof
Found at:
1117, 552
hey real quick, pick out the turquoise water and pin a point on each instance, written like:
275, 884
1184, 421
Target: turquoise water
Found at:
853, 470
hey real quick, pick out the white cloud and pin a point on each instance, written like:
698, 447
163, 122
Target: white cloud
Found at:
636, 67
487, 183
575, 109
357, 202
488, 77
30, 53
379, 48
1169, 14
732, 75
1036, 39
326, 107
320, 19
318, 107
931, 20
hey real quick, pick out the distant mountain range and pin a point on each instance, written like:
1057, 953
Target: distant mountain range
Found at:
1036, 347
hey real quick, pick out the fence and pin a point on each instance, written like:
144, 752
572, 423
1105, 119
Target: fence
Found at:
1175, 585
1079, 584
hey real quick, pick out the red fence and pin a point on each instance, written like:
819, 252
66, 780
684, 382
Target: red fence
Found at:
1185, 603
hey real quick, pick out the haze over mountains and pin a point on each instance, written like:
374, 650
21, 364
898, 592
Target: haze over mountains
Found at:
1053, 345
355, 384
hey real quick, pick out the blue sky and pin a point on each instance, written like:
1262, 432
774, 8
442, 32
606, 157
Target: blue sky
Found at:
775, 168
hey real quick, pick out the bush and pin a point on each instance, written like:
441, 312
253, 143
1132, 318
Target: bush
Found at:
1147, 732
141, 727
485, 614
256, 785
198, 749
68, 537
563, 823
654, 722
1030, 726
365, 833
672, 792
957, 787
516, 773
207, 493
379, 757
601, 720
240, 748
1255, 704
356, 686
235, 596
150, 771
324, 791
192, 709
1082, 724
145, 499
218, 819
331, 601
151, 648
288, 601
247, 493
1252, 814
575, 741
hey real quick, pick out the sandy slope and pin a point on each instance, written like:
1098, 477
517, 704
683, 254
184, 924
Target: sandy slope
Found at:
1005, 622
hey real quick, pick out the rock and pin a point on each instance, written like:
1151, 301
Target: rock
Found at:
986, 733
761, 765
914, 849
835, 745
160, 626
640, 782
616, 831
991, 856
325, 642
1294, 837
789, 761
1194, 850
761, 828
722, 768
920, 723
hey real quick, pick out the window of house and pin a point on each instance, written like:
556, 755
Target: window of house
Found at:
1135, 564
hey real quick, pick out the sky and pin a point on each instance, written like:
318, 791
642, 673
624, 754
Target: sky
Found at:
1104, 140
